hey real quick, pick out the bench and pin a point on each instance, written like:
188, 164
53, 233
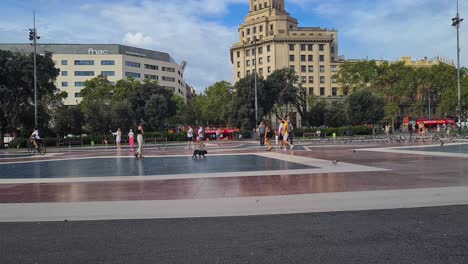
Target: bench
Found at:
69, 143
161, 141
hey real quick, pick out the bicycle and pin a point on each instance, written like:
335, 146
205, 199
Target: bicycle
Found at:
41, 147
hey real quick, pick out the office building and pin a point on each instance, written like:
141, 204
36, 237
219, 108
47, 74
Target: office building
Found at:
270, 39
81, 62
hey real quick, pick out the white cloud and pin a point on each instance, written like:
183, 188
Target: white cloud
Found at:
137, 39
394, 28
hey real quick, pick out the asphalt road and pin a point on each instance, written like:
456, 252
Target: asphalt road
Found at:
426, 235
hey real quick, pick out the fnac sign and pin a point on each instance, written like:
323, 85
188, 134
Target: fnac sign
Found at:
92, 51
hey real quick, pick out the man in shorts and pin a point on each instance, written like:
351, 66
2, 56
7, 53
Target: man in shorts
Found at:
286, 134
190, 137
201, 136
280, 132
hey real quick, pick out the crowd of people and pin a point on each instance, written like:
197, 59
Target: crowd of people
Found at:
283, 134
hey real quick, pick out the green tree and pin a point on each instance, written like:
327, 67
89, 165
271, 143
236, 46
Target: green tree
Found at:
365, 107
97, 117
243, 103
16, 86
68, 120
337, 115
122, 116
216, 103
157, 111
354, 76
317, 115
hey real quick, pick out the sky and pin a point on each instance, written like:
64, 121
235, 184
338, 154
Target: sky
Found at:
201, 32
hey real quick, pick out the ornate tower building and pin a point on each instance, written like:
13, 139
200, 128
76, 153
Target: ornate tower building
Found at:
270, 39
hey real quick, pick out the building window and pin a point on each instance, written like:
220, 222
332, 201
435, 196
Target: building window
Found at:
108, 73
322, 58
253, 62
333, 68
322, 91
260, 50
303, 47
260, 71
269, 69
303, 79
168, 69
260, 61
260, 29
311, 68
291, 47
303, 68
238, 64
303, 57
132, 64
322, 68
268, 59
78, 95
238, 54
132, 74
253, 52
310, 47
84, 73
322, 79
334, 91
255, 30
291, 57
248, 72
248, 31
84, 62
321, 47
291, 67
168, 79
311, 91
271, 27
311, 79
238, 74
268, 48
79, 84
64, 73
311, 58
64, 84
64, 62
151, 67
107, 62
334, 80
247, 63
151, 77
332, 49
247, 53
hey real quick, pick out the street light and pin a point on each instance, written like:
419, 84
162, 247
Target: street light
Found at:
456, 21
34, 37
255, 78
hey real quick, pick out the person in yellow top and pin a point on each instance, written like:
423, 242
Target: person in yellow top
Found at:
286, 133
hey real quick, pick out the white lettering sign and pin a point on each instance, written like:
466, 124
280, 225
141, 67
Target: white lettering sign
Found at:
92, 51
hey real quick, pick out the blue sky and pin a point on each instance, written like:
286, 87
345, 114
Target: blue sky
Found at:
202, 31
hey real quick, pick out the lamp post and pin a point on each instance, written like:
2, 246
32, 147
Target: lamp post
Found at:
255, 81
34, 37
456, 21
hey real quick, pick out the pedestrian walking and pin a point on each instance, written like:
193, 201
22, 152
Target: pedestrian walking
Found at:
131, 140
201, 136
261, 133
267, 136
140, 133
190, 138
286, 134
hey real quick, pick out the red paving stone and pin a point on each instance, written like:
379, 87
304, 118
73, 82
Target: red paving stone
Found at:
406, 172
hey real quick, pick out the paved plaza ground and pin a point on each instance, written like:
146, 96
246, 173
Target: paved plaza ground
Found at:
320, 203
